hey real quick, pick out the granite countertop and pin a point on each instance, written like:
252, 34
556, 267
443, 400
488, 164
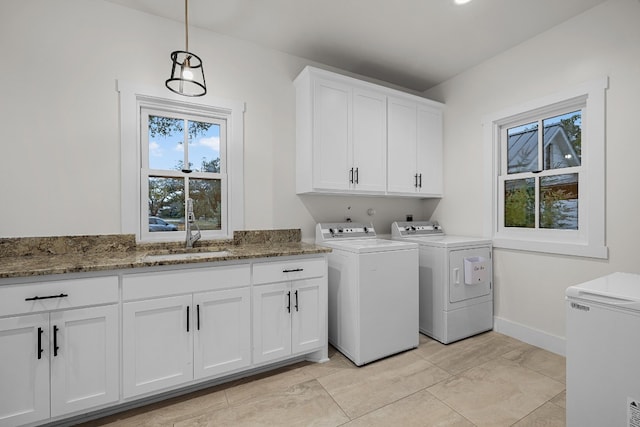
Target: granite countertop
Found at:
37, 256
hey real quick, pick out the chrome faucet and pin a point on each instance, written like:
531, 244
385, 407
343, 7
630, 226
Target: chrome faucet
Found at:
191, 220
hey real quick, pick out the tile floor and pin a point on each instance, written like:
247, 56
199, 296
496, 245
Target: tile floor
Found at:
487, 380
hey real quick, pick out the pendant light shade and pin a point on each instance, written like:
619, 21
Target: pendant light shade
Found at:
187, 74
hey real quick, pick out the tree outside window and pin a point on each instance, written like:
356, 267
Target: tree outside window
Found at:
184, 161
538, 190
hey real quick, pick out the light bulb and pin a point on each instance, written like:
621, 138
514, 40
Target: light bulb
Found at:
187, 74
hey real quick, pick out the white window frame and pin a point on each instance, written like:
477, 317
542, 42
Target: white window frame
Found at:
132, 99
589, 239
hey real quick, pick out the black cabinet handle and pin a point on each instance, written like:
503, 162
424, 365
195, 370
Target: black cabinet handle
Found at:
415, 180
288, 302
40, 343
293, 270
187, 318
296, 300
351, 175
420, 185
47, 297
357, 176
198, 316
55, 340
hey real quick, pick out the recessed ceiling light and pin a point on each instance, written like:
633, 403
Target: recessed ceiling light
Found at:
461, 1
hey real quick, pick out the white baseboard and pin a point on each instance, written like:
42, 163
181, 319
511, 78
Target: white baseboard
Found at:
530, 335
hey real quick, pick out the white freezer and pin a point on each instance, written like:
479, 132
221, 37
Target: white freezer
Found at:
603, 352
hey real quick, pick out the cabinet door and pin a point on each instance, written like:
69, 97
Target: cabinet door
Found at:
401, 163
429, 151
308, 314
332, 154
84, 358
369, 141
222, 340
271, 322
24, 370
157, 344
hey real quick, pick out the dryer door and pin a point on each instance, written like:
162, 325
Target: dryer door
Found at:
470, 279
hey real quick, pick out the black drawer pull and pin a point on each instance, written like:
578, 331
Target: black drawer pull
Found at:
55, 340
40, 350
293, 270
288, 302
296, 300
198, 315
36, 298
188, 318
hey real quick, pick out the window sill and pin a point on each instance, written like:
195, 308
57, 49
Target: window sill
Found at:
571, 249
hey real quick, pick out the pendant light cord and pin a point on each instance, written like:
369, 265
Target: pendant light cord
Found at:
186, 25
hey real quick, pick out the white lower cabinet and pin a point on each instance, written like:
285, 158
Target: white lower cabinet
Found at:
223, 331
24, 370
58, 363
157, 348
84, 367
172, 340
65, 345
289, 317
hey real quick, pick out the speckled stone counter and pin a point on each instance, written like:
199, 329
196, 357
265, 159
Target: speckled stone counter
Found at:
37, 256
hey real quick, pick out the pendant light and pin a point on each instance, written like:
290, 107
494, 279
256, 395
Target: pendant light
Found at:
187, 75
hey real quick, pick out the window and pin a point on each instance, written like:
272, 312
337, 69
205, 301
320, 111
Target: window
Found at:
183, 157
174, 150
547, 174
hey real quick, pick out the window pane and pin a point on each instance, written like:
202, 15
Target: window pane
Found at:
206, 195
522, 148
166, 203
559, 202
204, 146
519, 203
562, 140
166, 143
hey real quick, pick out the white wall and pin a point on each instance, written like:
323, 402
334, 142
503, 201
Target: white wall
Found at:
604, 41
59, 164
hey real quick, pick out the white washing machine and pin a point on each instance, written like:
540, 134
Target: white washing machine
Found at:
373, 292
456, 281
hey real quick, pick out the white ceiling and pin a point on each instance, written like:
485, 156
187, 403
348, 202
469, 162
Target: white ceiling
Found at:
411, 43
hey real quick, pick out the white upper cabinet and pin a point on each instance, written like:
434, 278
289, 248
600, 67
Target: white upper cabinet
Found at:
414, 148
346, 129
369, 141
332, 105
343, 129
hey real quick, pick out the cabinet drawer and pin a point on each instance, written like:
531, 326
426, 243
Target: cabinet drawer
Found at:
57, 295
173, 282
283, 271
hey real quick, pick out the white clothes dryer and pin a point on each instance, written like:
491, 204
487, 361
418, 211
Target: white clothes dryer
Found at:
456, 281
373, 292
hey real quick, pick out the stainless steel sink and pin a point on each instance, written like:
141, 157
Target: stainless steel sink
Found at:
184, 256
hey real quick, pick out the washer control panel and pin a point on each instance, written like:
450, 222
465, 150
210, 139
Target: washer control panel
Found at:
344, 230
416, 228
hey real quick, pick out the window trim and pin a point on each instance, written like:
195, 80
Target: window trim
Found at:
589, 241
131, 98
